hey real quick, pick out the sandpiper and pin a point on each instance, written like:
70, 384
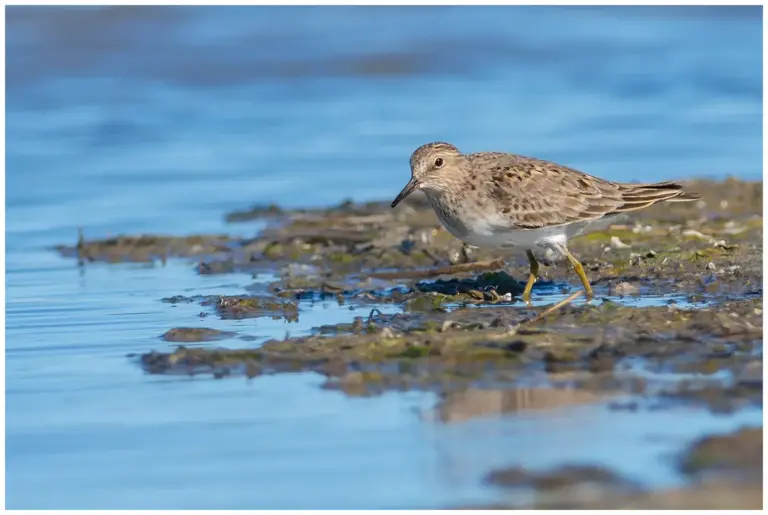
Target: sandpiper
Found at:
500, 200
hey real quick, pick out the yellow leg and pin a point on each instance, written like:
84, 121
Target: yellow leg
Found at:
534, 274
579, 271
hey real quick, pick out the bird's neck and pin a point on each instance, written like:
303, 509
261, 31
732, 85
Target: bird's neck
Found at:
444, 201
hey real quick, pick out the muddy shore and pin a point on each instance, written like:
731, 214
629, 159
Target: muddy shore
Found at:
676, 322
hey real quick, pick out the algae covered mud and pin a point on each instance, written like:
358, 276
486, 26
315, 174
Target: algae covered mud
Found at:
675, 329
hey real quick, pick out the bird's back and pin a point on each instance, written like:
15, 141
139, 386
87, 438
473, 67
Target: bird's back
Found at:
534, 193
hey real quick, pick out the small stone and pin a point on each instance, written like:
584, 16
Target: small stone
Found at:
638, 228
711, 266
616, 243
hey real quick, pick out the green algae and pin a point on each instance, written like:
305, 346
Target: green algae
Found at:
237, 307
195, 334
441, 345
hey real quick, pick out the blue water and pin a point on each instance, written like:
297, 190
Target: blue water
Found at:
131, 120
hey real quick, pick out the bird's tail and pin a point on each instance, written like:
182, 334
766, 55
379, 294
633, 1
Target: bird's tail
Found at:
639, 196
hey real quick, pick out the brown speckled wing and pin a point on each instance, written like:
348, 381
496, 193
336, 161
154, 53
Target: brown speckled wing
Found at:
530, 193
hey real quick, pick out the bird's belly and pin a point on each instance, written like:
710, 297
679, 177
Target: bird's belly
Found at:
484, 233
525, 238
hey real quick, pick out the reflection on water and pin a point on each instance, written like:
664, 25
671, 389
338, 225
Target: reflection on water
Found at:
160, 119
628, 444
471, 403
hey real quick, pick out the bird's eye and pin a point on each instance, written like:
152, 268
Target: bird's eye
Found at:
439, 162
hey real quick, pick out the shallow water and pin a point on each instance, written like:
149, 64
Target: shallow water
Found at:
160, 120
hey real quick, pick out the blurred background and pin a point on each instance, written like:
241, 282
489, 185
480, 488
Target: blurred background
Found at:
148, 118
159, 120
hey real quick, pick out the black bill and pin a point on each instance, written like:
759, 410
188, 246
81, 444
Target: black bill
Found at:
412, 184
